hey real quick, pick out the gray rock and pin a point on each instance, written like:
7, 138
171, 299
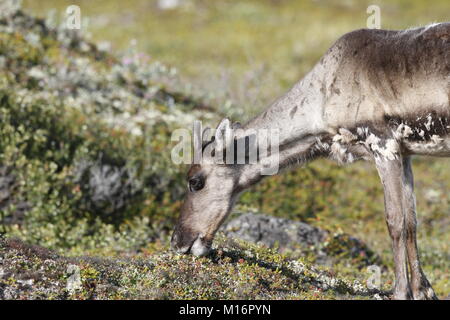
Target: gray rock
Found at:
272, 231
285, 234
8, 197
107, 188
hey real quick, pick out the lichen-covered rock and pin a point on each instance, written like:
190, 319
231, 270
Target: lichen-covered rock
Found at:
107, 189
285, 234
8, 187
273, 231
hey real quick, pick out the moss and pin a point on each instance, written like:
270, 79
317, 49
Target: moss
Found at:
234, 270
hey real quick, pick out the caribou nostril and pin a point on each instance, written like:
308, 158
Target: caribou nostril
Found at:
182, 243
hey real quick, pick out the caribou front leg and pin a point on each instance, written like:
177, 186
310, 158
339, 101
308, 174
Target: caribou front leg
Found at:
391, 173
421, 288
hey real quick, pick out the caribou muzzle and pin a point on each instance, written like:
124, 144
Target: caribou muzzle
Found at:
185, 241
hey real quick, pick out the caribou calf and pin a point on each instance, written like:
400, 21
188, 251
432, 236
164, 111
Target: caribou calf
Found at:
375, 95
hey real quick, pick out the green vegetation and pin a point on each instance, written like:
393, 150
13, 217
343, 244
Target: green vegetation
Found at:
235, 270
85, 165
247, 51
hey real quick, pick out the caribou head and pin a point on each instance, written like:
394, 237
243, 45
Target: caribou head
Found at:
226, 164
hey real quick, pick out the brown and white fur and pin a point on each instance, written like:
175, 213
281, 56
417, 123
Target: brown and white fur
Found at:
375, 95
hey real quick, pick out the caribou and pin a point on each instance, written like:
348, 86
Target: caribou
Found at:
376, 95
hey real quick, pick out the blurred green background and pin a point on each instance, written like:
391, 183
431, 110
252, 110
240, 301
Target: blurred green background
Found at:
249, 51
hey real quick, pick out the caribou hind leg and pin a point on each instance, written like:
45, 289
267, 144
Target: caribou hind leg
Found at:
391, 173
421, 288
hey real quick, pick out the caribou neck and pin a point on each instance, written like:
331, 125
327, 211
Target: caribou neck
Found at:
298, 113
297, 119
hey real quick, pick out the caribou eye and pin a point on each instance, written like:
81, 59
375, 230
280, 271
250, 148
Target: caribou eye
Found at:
196, 184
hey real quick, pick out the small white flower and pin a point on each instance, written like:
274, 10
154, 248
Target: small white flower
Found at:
33, 39
36, 73
28, 282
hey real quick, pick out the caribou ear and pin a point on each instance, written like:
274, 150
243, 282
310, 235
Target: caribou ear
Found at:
224, 134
